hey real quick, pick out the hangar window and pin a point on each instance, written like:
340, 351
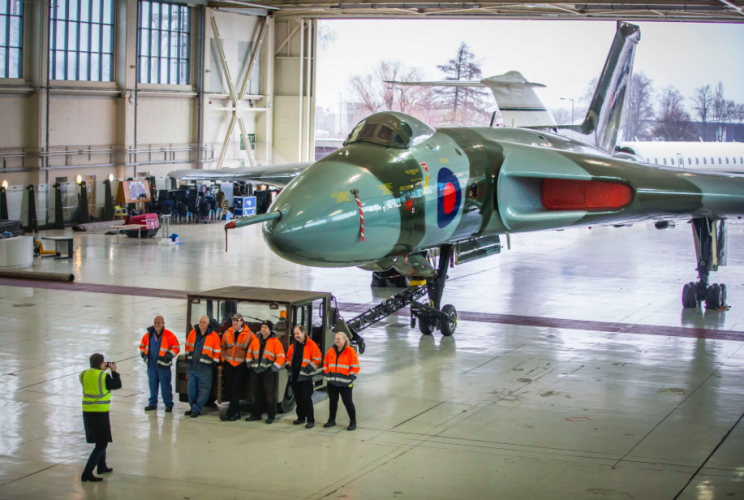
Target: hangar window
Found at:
11, 38
81, 40
164, 43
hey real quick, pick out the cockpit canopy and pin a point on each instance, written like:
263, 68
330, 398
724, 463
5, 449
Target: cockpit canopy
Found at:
390, 129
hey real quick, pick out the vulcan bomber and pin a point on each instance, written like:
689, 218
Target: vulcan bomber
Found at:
401, 195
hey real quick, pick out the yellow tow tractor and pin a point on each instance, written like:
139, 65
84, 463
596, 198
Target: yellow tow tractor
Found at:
285, 308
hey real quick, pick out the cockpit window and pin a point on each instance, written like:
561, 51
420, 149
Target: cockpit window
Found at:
385, 133
368, 129
394, 130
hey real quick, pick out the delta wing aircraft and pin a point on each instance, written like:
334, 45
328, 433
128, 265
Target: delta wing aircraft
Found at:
399, 193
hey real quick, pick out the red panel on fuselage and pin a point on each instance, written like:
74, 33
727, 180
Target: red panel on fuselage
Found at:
565, 194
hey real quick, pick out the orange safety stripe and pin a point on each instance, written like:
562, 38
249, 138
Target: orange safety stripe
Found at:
235, 351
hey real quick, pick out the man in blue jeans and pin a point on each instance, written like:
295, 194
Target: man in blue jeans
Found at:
203, 350
158, 349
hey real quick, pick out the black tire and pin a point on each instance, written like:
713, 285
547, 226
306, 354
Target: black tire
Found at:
713, 297
689, 296
183, 397
424, 326
449, 325
724, 294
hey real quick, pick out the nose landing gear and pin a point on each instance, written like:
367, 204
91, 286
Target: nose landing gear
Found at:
710, 245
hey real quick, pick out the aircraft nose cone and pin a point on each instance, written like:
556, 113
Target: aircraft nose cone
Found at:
321, 224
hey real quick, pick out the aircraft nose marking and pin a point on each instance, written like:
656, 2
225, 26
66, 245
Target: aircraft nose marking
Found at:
449, 198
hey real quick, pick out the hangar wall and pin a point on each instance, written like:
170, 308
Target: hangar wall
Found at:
53, 129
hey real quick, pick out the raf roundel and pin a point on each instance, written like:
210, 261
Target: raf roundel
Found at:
449, 197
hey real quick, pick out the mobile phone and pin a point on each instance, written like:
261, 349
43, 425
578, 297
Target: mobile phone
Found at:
108, 364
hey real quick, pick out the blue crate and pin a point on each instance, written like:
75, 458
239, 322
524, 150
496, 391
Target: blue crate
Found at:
243, 202
244, 212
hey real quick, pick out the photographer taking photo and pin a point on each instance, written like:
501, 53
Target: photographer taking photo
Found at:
97, 387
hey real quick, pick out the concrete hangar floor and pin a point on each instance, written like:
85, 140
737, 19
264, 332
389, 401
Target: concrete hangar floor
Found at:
574, 373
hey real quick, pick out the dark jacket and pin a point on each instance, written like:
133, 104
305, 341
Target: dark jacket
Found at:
97, 424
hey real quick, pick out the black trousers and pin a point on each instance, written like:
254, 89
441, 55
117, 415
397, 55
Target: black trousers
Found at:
265, 386
97, 457
235, 376
303, 393
345, 392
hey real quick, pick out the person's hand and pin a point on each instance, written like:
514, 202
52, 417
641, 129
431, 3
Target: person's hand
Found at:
113, 366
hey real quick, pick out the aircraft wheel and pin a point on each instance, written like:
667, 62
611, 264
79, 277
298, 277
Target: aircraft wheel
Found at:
713, 297
424, 325
689, 296
449, 325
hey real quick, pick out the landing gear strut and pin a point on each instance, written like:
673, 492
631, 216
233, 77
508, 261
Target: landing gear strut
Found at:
710, 244
432, 316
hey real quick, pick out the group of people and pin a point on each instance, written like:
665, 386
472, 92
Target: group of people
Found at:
238, 352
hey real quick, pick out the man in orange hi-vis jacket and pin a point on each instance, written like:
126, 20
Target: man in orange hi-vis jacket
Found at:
158, 348
265, 357
235, 342
203, 351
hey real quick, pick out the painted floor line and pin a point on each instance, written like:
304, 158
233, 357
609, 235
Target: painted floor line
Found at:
502, 319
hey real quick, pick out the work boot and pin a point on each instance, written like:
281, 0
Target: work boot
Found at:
330, 423
252, 418
104, 470
91, 478
150, 408
194, 414
352, 425
299, 421
187, 413
223, 417
270, 420
310, 425
168, 409
234, 418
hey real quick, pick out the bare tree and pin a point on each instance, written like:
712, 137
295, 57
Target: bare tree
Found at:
465, 103
639, 109
672, 120
738, 115
562, 116
364, 95
722, 112
586, 98
325, 37
703, 99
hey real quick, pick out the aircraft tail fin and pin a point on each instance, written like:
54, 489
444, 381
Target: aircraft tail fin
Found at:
606, 109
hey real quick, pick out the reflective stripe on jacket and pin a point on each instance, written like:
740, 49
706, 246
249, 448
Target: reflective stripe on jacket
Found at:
169, 347
341, 370
273, 356
235, 351
211, 352
96, 398
311, 360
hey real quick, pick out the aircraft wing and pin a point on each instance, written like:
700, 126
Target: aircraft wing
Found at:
275, 175
443, 83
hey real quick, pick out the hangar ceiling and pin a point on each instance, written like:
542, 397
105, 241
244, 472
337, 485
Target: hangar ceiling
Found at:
730, 11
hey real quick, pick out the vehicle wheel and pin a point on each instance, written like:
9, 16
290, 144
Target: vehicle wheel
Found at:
449, 325
183, 397
424, 326
713, 297
723, 294
689, 296
362, 347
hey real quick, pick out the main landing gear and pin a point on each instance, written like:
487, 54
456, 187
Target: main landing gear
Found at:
710, 246
431, 316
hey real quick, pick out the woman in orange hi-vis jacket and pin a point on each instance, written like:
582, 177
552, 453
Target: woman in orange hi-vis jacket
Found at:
341, 366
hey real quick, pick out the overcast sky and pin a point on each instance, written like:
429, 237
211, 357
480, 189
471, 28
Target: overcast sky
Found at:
564, 55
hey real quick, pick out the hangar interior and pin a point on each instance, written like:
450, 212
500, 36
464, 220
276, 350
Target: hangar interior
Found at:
574, 372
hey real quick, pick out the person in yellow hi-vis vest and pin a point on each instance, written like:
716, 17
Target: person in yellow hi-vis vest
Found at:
97, 387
